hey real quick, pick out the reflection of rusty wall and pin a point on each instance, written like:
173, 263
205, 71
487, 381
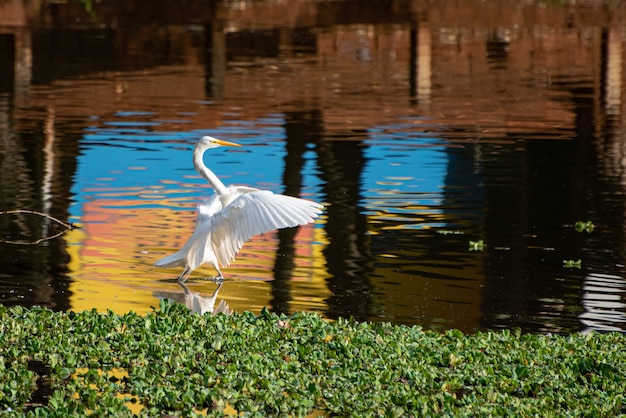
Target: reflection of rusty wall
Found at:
13, 14
16, 44
457, 44
462, 37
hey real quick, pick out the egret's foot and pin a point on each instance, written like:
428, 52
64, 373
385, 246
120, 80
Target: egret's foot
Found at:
170, 280
184, 275
216, 279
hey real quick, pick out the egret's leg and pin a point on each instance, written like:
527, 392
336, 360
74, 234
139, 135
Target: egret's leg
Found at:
219, 278
219, 286
183, 276
184, 287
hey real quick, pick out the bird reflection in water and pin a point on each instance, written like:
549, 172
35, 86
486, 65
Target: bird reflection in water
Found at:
232, 216
195, 301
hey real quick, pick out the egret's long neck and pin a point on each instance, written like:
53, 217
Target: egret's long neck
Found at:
204, 171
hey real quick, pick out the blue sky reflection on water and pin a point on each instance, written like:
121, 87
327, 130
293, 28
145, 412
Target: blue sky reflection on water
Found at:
127, 159
404, 172
136, 159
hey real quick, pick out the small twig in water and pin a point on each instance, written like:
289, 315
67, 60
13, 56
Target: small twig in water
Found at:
67, 226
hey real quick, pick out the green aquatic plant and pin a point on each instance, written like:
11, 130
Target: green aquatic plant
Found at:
584, 226
477, 245
173, 362
572, 263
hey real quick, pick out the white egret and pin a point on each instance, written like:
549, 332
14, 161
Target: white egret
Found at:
232, 216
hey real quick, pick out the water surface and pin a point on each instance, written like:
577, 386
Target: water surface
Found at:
422, 129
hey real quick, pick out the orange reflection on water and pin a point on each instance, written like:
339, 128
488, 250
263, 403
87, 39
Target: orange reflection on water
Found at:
112, 261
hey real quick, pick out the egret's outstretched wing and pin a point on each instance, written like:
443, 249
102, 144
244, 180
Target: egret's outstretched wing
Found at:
254, 213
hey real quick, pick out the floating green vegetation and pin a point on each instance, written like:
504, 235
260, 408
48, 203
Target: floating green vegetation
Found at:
572, 263
171, 361
584, 226
477, 245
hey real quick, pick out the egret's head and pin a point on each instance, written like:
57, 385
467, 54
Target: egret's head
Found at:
208, 142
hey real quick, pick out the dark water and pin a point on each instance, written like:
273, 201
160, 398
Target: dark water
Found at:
422, 128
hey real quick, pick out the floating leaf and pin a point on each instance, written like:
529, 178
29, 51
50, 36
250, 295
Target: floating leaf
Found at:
476, 245
584, 226
572, 264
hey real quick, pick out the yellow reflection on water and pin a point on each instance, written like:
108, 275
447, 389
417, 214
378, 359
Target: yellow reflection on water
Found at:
112, 258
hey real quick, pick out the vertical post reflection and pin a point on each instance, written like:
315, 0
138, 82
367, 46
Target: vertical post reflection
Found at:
215, 59
614, 73
420, 71
298, 126
413, 63
347, 253
7, 63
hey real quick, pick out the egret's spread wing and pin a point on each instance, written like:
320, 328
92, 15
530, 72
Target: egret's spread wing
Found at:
254, 213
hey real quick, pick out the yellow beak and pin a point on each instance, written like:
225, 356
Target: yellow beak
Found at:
226, 143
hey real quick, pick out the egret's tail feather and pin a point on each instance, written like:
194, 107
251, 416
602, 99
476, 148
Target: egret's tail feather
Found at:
174, 260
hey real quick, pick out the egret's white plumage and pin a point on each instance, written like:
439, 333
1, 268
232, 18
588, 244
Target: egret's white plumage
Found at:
232, 216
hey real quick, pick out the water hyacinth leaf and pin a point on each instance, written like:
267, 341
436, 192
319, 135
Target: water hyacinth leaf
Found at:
572, 263
587, 226
266, 370
477, 245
